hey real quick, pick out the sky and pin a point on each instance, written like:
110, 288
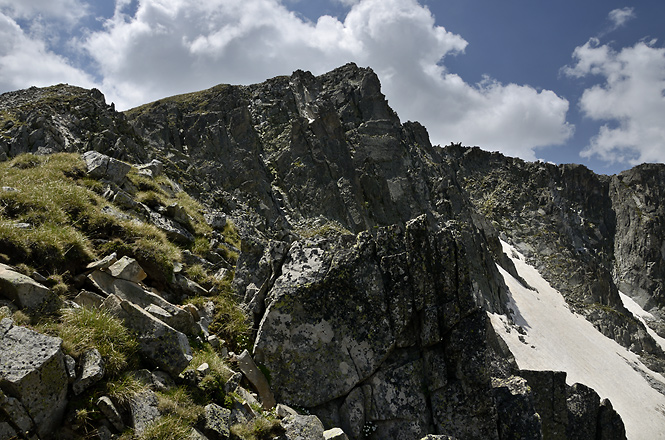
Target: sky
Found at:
565, 82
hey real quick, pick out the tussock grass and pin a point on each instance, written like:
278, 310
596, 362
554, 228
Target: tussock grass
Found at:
230, 321
122, 390
260, 428
178, 402
166, 428
86, 328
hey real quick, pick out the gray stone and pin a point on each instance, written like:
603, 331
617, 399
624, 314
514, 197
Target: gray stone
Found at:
124, 200
231, 385
176, 317
92, 371
283, 411
191, 288
127, 269
109, 410
164, 346
174, 230
257, 379
17, 414
70, 365
303, 428
26, 293
216, 220
155, 168
104, 262
89, 299
7, 431
143, 410
178, 213
162, 381
335, 434
197, 435
216, 422
32, 370
101, 166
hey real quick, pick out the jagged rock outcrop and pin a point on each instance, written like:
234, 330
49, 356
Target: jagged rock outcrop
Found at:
389, 328
565, 219
639, 271
368, 256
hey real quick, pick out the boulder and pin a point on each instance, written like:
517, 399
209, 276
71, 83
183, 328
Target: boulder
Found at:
152, 169
257, 379
143, 410
109, 410
610, 425
303, 428
26, 293
175, 316
127, 269
101, 166
32, 370
216, 422
335, 434
92, 370
16, 413
89, 299
165, 347
103, 263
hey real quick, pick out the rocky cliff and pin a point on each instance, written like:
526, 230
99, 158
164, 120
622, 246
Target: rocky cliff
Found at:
365, 260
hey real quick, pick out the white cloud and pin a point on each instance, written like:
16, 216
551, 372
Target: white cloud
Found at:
630, 99
174, 46
25, 61
69, 11
619, 17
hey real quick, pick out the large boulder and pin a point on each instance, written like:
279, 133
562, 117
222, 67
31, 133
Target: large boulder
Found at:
388, 329
172, 315
101, 166
163, 346
32, 370
27, 293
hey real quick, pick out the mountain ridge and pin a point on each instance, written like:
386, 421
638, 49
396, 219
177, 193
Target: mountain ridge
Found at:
332, 194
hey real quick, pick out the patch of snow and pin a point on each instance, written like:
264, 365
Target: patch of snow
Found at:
554, 338
640, 314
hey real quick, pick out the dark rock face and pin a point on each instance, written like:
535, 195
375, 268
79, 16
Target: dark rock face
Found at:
587, 234
368, 259
389, 328
637, 197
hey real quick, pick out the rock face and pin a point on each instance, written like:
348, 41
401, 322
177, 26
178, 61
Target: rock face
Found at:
368, 256
389, 328
32, 371
584, 232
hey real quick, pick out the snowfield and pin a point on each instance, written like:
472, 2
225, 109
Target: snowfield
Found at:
557, 339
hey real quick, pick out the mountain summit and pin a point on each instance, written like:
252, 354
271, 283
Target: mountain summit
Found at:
390, 288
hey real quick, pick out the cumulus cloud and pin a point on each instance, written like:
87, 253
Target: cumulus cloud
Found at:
69, 11
26, 61
630, 100
173, 46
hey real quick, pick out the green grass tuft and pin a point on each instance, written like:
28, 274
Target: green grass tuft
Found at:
86, 328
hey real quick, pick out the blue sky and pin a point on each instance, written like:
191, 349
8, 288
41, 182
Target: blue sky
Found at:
566, 81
